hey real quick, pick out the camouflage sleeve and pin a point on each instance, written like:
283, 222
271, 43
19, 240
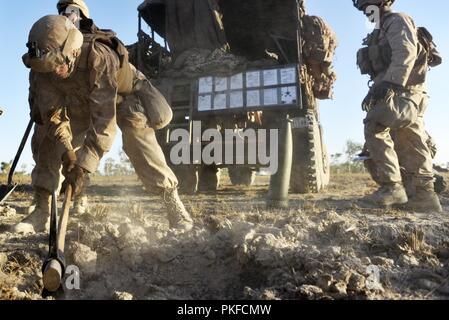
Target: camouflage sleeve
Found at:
46, 99
34, 109
103, 66
402, 37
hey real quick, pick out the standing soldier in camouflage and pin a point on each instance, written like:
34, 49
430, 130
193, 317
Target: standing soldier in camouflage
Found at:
84, 86
397, 63
76, 11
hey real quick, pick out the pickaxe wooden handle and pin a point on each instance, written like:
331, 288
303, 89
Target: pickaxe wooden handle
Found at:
54, 267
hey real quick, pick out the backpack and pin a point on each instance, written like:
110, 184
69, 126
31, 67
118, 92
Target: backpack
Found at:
319, 45
125, 74
434, 58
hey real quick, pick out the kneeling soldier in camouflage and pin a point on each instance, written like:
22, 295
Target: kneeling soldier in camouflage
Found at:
77, 12
84, 86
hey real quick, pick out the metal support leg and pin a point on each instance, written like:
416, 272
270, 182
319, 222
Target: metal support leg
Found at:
280, 181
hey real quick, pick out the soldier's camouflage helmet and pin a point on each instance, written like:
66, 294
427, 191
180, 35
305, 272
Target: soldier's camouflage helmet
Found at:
80, 4
360, 4
51, 42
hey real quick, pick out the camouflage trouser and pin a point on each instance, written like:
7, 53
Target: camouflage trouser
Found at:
402, 113
139, 143
47, 155
141, 146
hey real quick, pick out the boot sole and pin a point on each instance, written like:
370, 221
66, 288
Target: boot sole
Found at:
423, 210
384, 205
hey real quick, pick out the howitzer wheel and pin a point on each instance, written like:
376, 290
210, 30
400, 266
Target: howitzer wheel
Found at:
440, 184
310, 168
209, 179
241, 176
187, 178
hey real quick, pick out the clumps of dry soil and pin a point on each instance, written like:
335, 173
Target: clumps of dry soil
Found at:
325, 247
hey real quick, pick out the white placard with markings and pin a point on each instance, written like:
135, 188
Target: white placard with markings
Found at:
205, 102
270, 97
288, 95
237, 82
253, 79
236, 99
221, 84
205, 85
220, 101
288, 76
250, 89
253, 98
270, 77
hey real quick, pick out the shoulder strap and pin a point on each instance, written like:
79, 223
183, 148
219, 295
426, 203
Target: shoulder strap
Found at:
109, 38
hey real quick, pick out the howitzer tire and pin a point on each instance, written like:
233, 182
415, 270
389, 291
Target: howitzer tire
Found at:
187, 179
310, 168
241, 176
326, 173
209, 179
440, 184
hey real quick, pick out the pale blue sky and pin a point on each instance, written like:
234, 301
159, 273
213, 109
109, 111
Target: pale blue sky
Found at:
341, 117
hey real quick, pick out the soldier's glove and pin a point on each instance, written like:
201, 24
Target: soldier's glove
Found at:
381, 91
68, 161
74, 178
74, 175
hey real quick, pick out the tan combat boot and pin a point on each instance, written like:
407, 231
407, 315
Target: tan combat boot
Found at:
388, 195
425, 200
178, 217
38, 220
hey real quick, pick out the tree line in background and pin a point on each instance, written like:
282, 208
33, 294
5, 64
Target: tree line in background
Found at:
121, 167
343, 162
111, 167
6, 166
346, 162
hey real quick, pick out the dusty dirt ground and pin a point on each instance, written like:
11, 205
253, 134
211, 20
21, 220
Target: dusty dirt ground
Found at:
325, 247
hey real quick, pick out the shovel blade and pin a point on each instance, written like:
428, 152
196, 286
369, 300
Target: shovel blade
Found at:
6, 191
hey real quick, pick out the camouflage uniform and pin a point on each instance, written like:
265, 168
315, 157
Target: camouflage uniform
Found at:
138, 143
407, 179
72, 126
81, 112
401, 110
86, 25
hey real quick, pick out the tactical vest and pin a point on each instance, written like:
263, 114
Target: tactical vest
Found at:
125, 74
133, 88
375, 58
